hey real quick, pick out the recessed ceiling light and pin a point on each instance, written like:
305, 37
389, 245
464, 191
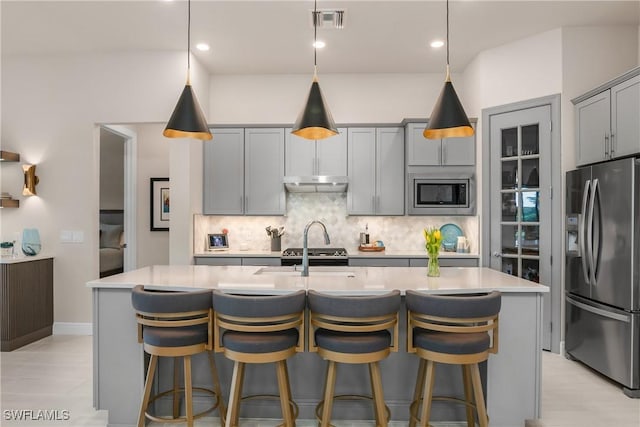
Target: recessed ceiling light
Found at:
319, 44
436, 44
202, 46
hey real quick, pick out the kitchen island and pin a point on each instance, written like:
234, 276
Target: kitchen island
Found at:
511, 377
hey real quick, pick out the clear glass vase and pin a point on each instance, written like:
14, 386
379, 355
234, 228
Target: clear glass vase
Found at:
433, 266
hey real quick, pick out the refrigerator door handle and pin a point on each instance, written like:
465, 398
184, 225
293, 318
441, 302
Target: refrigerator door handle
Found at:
590, 235
595, 250
599, 311
581, 230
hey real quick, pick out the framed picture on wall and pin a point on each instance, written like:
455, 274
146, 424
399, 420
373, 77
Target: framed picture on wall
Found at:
160, 205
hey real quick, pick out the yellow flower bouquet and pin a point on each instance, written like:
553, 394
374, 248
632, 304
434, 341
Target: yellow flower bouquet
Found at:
433, 240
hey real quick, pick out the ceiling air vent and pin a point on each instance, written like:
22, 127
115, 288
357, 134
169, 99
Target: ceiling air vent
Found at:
328, 18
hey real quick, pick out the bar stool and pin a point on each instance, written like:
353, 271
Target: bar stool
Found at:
259, 329
176, 324
456, 330
346, 329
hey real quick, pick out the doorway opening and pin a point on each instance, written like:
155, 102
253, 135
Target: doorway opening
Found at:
117, 208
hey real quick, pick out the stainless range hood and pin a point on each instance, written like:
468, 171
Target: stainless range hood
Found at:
316, 184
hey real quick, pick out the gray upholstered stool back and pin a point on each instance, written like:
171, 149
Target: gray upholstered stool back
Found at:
172, 319
466, 314
346, 315
251, 314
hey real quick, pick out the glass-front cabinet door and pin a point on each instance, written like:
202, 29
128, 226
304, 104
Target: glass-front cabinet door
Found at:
520, 196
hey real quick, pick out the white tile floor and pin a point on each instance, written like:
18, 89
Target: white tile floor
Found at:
55, 374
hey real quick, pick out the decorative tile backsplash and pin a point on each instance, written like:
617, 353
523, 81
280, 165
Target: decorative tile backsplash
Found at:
397, 232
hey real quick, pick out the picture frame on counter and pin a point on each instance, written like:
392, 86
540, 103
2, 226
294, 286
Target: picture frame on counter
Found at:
160, 204
217, 242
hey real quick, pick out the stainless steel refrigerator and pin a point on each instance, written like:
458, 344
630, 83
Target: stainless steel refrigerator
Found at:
602, 270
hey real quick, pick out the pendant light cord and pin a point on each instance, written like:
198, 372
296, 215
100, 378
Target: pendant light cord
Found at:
189, 42
447, 32
315, 35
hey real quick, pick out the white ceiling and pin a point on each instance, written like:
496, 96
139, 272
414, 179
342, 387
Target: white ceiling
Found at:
255, 37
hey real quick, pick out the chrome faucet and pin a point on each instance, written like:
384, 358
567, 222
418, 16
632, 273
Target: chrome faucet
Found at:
305, 244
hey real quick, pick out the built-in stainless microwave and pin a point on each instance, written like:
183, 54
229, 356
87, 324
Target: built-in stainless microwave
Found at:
442, 194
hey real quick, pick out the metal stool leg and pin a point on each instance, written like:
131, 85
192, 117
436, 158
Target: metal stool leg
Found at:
235, 395
428, 393
188, 391
417, 394
378, 395
176, 389
468, 394
222, 409
483, 421
328, 394
285, 394
153, 362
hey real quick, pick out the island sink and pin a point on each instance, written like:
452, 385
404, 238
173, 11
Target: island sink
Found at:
295, 270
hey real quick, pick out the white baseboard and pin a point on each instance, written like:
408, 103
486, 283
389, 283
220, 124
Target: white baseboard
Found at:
68, 328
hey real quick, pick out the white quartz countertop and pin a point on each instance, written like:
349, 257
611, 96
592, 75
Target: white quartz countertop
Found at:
353, 253
334, 280
23, 258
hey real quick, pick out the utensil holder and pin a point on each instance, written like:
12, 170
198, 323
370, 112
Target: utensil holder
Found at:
276, 244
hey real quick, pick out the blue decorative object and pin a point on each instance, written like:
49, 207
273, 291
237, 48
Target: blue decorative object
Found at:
450, 234
31, 242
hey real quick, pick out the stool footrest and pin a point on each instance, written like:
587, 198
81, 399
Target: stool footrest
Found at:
320, 405
183, 418
293, 404
413, 407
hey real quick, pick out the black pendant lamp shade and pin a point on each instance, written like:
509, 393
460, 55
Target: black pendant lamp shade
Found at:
315, 121
448, 118
187, 120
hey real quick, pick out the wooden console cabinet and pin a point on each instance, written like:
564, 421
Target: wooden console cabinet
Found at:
26, 298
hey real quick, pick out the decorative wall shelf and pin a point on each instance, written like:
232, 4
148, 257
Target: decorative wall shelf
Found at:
8, 156
9, 203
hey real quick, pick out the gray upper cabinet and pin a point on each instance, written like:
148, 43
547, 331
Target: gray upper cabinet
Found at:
375, 171
625, 118
593, 128
323, 157
438, 152
607, 124
264, 171
224, 173
243, 172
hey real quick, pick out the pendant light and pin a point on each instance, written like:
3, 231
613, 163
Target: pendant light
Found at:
448, 118
187, 120
315, 121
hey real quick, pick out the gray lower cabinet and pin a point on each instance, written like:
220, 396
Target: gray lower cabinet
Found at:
378, 262
375, 171
243, 172
607, 125
438, 152
382, 261
445, 262
266, 261
305, 157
